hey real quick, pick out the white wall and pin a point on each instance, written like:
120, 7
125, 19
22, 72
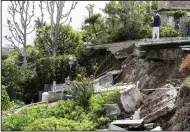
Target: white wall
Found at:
188, 13
170, 21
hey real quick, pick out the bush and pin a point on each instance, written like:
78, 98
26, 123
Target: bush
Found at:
168, 32
68, 111
16, 104
97, 102
82, 92
54, 124
21, 82
5, 100
65, 115
46, 71
146, 31
185, 64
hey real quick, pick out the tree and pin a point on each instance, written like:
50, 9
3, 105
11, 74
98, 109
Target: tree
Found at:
5, 99
22, 27
92, 20
54, 33
69, 42
90, 9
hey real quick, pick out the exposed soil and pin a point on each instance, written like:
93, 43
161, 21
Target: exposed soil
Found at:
151, 73
181, 118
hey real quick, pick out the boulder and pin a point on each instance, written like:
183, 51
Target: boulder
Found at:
112, 109
157, 104
130, 98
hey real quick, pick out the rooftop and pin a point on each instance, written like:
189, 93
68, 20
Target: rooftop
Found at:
174, 5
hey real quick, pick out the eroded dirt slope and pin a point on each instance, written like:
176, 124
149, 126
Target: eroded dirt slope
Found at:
150, 73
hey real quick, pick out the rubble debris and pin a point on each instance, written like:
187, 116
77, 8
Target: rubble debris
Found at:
112, 110
158, 128
130, 98
157, 104
180, 120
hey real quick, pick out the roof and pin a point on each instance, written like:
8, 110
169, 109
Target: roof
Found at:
174, 5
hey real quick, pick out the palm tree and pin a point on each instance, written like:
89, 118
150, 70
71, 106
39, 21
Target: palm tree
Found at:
92, 20
90, 9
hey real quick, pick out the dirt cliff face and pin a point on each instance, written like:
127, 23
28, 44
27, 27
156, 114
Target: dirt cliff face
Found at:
151, 73
180, 121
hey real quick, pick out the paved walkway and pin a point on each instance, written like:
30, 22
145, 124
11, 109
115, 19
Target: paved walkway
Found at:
16, 111
118, 46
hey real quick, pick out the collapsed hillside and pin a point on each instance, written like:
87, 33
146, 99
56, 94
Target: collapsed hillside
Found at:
153, 74
150, 73
180, 121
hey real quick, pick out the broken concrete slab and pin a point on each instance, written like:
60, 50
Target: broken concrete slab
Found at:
158, 128
112, 110
127, 122
130, 98
114, 72
115, 128
157, 104
103, 81
136, 115
149, 126
109, 88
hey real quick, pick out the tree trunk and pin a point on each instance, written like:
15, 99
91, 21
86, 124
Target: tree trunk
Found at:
95, 32
24, 50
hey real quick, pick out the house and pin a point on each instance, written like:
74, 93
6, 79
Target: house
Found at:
7, 51
168, 6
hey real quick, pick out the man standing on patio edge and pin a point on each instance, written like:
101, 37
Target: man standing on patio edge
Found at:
156, 26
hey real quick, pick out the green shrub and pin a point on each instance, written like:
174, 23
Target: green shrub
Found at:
97, 102
54, 124
62, 110
5, 100
177, 14
21, 82
16, 104
146, 31
82, 91
168, 32
65, 115
47, 71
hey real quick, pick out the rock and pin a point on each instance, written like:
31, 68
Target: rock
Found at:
157, 104
158, 128
130, 98
112, 109
136, 115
